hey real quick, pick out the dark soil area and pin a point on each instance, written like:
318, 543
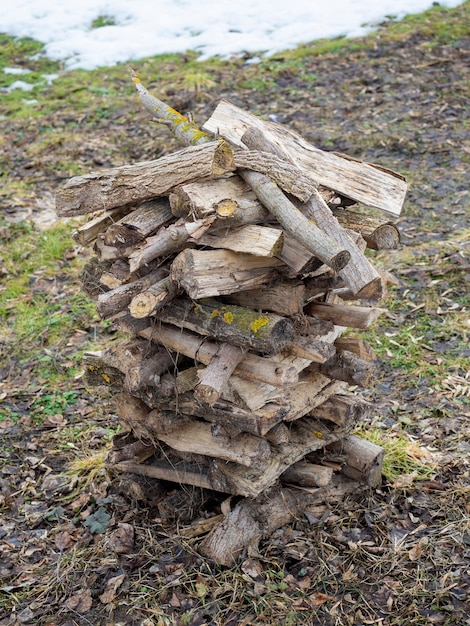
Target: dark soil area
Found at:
78, 546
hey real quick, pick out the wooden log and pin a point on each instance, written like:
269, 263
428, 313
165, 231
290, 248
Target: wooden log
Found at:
297, 257
342, 410
168, 240
267, 333
312, 349
295, 223
307, 474
141, 362
344, 315
347, 366
358, 346
197, 438
207, 273
378, 234
285, 298
251, 239
215, 376
278, 435
130, 184
251, 520
88, 232
154, 298
118, 299
139, 224
229, 198
127, 448
362, 459
163, 470
372, 185
252, 367
359, 274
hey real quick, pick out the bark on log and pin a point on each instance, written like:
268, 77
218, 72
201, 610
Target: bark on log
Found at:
168, 240
378, 234
118, 299
139, 224
88, 232
229, 198
307, 474
348, 367
362, 459
297, 257
215, 376
344, 315
372, 185
207, 273
342, 410
150, 301
286, 298
312, 349
129, 184
358, 274
267, 333
253, 367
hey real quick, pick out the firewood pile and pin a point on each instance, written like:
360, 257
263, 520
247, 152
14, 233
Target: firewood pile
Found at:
233, 268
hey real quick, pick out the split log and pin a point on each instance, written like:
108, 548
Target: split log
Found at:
358, 274
180, 473
312, 349
362, 459
372, 185
168, 240
129, 184
251, 239
278, 435
207, 273
215, 376
297, 257
307, 474
344, 315
253, 367
342, 410
359, 346
252, 520
285, 298
346, 366
267, 333
127, 448
139, 224
197, 438
378, 234
88, 232
230, 198
118, 299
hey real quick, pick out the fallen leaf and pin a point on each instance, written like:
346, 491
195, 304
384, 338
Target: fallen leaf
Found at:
252, 568
80, 602
122, 539
317, 599
110, 591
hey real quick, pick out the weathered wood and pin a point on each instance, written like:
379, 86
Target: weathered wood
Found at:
285, 298
168, 240
251, 239
88, 232
139, 224
251, 520
163, 470
197, 438
372, 185
342, 410
154, 298
127, 448
312, 349
297, 257
130, 184
215, 376
119, 299
253, 367
362, 459
307, 474
347, 366
278, 435
229, 198
294, 222
344, 315
378, 234
358, 274
207, 273
359, 346
267, 333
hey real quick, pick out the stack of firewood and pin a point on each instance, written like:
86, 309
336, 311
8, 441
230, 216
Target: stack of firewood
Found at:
233, 267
